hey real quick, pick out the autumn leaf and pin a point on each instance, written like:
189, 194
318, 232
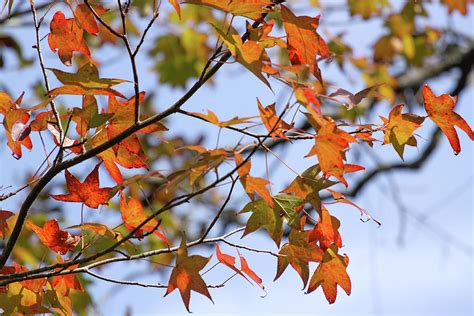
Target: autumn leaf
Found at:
133, 216
87, 192
88, 116
252, 9
251, 184
298, 252
304, 43
16, 125
460, 5
326, 230
123, 117
66, 37
244, 267
52, 237
228, 261
211, 117
175, 4
399, 128
85, 18
264, 216
308, 185
340, 198
289, 208
118, 155
331, 144
70, 281
185, 275
85, 81
34, 285
440, 111
249, 54
275, 126
330, 273
4, 229
354, 99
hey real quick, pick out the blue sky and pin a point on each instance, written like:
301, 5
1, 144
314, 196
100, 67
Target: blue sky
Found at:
407, 266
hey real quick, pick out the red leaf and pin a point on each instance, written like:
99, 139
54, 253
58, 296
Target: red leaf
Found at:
66, 37
4, 229
133, 216
86, 19
185, 275
51, 236
87, 192
440, 111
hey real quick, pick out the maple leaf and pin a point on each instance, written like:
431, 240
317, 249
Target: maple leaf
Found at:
66, 37
272, 122
52, 237
251, 184
298, 252
440, 111
4, 229
211, 117
252, 9
70, 281
133, 216
244, 267
34, 285
175, 4
88, 116
304, 43
264, 216
308, 185
118, 155
460, 5
331, 144
399, 128
123, 117
326, 230
86, 19
16, 125
249, 54
289, 207
85, 81
228, 261
185, 275
330, 273
87, 192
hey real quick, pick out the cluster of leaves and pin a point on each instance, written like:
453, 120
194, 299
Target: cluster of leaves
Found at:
115, 135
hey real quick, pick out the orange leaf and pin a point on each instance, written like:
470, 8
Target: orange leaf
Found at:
85, 81
304, 43
51, 236
326, 230
252, 9
133, 216
16, 126
66, 37
35, 285
249, 272
440, 111
399, 128
86, 19
272, 122
331, 144
228, 260
298, 252
175, 4
330, 273
70, 281
251, 184
4, 229
185, 275
87, 192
